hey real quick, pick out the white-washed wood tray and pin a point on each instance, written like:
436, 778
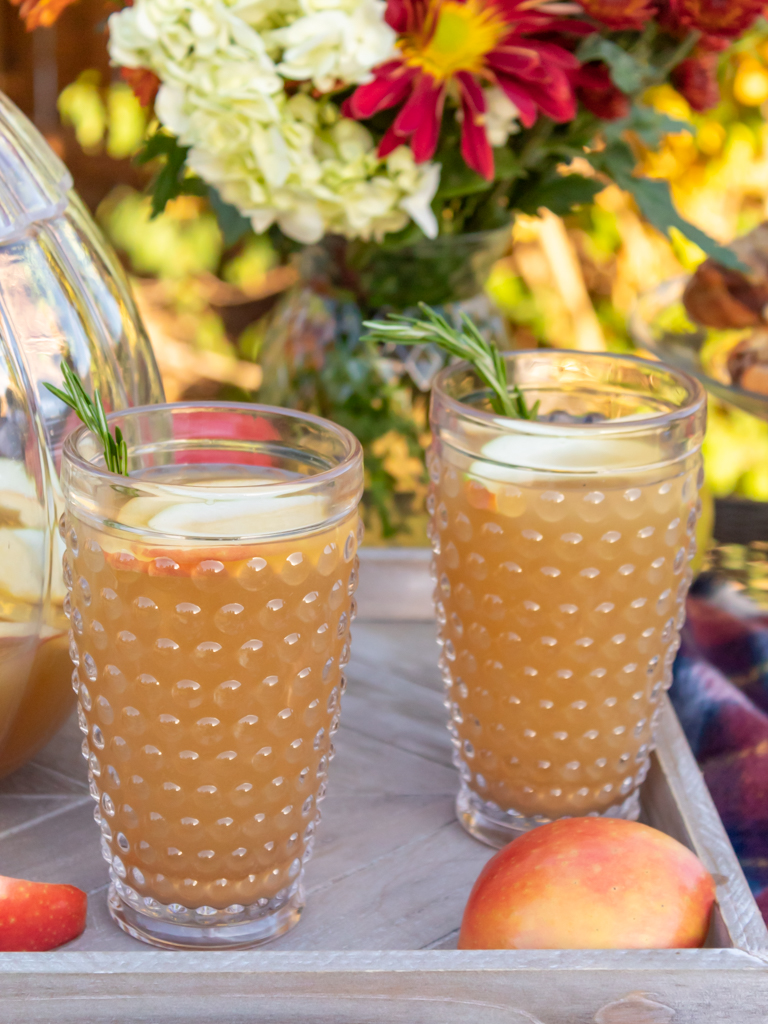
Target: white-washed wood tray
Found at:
386, 888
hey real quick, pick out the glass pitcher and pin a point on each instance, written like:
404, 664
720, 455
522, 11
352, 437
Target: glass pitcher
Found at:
63, 297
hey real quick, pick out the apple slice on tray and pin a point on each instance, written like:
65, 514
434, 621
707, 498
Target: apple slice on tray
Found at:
37, 916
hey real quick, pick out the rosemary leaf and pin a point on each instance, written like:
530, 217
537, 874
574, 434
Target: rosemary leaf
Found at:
91, 413
467, 343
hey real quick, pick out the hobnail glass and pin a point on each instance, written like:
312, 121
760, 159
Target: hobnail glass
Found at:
63, 297
561, 559
210, 605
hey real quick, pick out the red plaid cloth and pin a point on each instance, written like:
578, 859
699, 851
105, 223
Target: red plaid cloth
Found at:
720, 693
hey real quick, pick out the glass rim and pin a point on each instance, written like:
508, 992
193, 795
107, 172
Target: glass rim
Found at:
353, 452
696, 401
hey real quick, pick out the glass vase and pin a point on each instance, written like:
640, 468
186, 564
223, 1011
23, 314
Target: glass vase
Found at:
210, 600
561, 558
344, 283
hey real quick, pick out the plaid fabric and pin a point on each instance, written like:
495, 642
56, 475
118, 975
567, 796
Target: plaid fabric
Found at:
720, 693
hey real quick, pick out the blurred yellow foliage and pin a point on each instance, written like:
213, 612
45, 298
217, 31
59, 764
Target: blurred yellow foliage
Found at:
736, 453
96, 113
126, 121
407, 470
718, 173
81, 105
750, 85
249, 267
710, 138
183, 241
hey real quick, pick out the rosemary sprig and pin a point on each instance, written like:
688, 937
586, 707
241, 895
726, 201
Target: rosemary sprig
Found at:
91, 412
467, 343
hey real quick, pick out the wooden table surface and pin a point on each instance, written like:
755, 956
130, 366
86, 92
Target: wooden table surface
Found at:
388, 831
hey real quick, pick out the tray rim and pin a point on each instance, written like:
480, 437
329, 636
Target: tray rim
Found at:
719, 986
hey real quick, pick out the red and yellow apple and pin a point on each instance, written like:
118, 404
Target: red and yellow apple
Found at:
590, 883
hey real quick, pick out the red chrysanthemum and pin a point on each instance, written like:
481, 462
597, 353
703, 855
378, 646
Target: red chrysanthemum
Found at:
620, 14
696, 79
597, 92
515, 44
143, 82
724, 18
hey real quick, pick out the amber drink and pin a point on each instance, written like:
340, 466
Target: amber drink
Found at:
210, 605
561, 556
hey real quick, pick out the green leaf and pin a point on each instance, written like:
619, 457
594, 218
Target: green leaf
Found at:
167, 185
170, 181
628, 74
649, 125
506, 164
456, 179
655, 202
157, 145
558, 193
232, 223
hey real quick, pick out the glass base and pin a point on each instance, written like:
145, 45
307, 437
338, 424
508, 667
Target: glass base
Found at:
237, 934
494, 827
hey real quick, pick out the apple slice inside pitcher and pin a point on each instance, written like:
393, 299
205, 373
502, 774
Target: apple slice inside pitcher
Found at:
22, 564
23, 537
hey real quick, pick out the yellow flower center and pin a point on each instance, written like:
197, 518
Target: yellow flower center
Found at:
456, 37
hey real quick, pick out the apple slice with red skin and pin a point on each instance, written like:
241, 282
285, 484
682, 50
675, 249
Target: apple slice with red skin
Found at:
590, 883
35, 916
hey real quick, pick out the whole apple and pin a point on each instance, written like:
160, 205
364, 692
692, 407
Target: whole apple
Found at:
590, 883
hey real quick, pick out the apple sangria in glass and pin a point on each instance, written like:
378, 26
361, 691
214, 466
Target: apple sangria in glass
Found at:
210, 601
561, 546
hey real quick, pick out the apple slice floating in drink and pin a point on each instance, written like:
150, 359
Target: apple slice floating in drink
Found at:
235, 517
203, 523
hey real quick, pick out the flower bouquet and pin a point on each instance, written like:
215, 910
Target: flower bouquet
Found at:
393, 141
394, 121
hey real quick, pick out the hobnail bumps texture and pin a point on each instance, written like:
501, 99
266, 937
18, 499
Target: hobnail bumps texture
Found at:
559, 609
208, 692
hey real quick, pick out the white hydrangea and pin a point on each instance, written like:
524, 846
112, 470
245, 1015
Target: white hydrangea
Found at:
203, 44
290, 160
310, 171
329, 46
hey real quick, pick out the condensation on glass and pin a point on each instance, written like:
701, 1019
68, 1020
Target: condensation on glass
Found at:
63, 297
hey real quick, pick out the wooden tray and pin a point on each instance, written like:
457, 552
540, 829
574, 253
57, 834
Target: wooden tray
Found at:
386, 887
